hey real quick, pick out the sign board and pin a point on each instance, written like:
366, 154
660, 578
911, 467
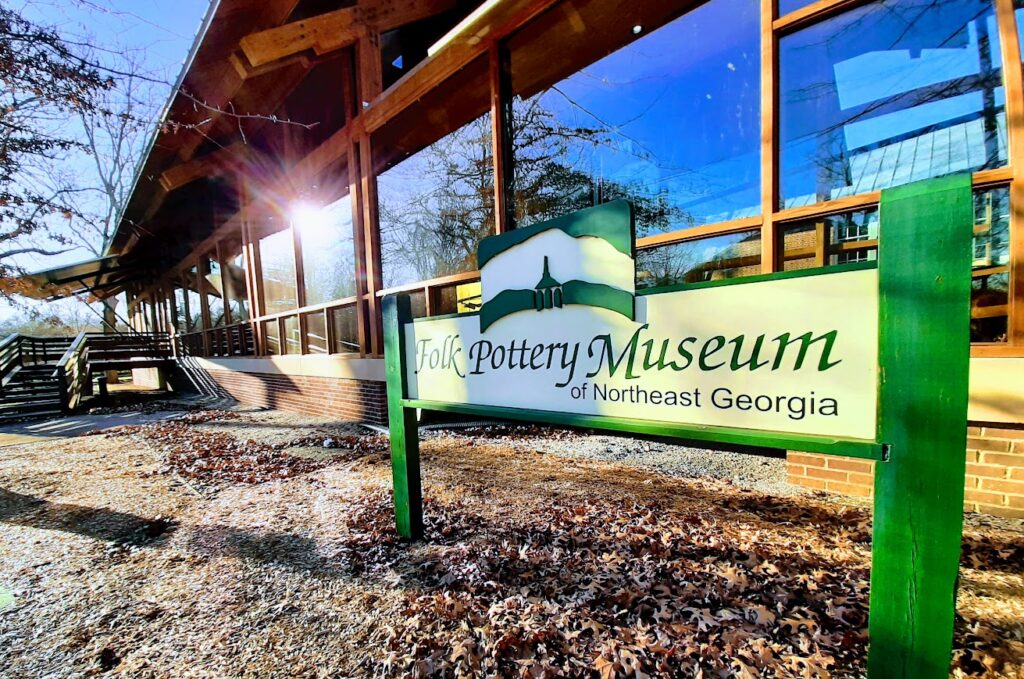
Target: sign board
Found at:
795, 354
865, 360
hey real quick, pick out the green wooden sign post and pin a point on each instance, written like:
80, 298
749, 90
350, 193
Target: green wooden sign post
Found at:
924, 273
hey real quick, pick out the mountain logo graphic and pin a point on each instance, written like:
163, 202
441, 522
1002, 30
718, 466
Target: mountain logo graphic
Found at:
584, 259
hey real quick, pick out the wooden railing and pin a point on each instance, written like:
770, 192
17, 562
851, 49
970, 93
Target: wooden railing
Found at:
90, 353
72, 373
18, 351
230, 340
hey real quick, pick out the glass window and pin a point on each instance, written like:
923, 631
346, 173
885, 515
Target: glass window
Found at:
843, 239
272, 337
695, 261
181, 317
787, 6
328, 251
345, 330
291, 335
234, 281
889, 93
277, 263
852, 237
669, 121
194, 301
213, 287
316, 332
436, 205
990, 282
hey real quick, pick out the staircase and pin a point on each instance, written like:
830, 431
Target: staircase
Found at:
51, 375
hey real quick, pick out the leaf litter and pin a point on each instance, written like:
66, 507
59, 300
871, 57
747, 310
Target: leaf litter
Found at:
533, 566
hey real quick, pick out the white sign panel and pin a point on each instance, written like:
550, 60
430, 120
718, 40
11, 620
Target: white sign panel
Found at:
796, 355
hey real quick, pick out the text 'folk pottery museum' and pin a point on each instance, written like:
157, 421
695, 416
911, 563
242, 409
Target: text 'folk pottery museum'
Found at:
384, 139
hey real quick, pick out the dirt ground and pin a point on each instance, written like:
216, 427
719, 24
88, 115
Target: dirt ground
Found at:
261, 545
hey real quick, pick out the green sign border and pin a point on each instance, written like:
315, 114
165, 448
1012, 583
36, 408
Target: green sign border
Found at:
924, 268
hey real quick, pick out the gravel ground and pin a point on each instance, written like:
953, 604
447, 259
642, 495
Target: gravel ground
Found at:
110, 565
763, 473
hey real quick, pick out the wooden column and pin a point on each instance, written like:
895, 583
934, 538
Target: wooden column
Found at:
359, 245
405, 445
501, 137
924, 269
1013, 81
371, 236
770, 259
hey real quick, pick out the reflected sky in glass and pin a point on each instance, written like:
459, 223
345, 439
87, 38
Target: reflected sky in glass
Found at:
887, 94
672, 117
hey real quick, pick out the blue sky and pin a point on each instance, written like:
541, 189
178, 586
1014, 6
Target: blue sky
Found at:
160, 32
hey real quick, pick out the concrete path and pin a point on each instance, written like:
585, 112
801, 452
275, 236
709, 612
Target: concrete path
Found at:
66, 427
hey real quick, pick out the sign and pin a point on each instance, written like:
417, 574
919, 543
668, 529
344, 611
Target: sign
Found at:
561, 329
865, 360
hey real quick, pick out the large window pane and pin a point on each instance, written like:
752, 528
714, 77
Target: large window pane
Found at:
695, 261
213, 288
272, 337
291, 335
669, 121
889, 93
277, 261
853, 237
181, 317
193, 285
234, 281
436, 205
328, 251
345, 330
787, 6
316, 332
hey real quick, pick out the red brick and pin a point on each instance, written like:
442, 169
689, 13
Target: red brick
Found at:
1003, 433
853, 489
983, 444
1003, 486
866, 480
846, 464
983, 497
1016, 474
807, 459
827, 474
990, 471
1003, 459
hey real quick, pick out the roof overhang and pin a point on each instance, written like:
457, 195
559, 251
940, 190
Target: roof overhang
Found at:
98, 278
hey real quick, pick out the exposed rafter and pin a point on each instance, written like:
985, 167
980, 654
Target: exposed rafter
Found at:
334, 30
211, 164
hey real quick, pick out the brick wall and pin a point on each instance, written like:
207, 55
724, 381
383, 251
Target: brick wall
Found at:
995, 472
345, 399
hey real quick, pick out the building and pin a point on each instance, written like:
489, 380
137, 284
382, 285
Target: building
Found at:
321, 154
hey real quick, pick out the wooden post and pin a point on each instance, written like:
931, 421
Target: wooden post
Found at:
924, 264
405, 444
501, 137
770, 255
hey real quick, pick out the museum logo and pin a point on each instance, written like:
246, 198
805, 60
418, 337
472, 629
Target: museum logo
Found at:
584, 259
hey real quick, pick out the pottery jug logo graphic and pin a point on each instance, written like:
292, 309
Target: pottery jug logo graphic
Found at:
585, 259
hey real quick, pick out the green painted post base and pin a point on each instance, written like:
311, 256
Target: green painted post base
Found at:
405, 440
924, 267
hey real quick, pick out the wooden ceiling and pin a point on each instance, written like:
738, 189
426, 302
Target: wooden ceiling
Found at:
269, 81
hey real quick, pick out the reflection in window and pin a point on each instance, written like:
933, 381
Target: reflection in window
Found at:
670, 121
852, 237
695, 261
436, 205
181, 318
277, 263
234, 281
328, 251
291, 335
835, 239
194, 302
990, 281
272, 337
890, 93
344, 330
213, 287
316, 332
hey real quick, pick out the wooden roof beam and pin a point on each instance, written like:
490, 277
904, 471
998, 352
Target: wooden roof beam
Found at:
209, 165
334, 30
